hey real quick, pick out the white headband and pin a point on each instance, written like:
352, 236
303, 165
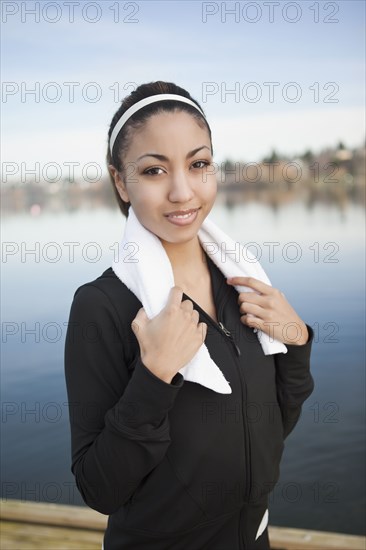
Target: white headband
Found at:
139, 105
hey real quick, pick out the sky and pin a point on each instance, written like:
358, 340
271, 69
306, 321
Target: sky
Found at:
269, 75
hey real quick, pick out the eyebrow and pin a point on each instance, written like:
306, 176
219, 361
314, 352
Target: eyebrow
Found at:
163, 157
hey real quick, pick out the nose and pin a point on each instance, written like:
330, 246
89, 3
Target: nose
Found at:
180, 189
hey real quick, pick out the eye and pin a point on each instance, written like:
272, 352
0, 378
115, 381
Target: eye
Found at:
149, 171
204, 162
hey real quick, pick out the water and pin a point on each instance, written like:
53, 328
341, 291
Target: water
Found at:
318, 261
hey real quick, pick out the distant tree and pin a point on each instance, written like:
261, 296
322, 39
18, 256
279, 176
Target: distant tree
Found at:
228, 164
308, 156
273, 158
341, 145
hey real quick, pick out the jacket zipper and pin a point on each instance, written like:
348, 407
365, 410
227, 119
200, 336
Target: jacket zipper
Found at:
221, 328
246, 428
230, 336
246, 432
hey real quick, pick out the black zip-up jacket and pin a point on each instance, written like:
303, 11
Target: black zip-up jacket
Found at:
177, 466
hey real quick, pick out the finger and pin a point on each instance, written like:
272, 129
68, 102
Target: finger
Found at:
251, 321
252, 297
135, 327
195, 316
254, 309
251, 282
141, 315
202, 327
192, 314
139, 320
175, 295
187, 305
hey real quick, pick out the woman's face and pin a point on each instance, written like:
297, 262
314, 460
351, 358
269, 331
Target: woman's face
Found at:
168, 175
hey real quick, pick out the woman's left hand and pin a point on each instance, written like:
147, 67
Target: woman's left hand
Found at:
268, 310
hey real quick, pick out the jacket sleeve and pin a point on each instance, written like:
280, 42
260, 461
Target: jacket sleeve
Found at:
119, 422
294, 381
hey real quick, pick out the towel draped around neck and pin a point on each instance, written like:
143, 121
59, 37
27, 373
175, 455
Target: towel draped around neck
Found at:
143, 265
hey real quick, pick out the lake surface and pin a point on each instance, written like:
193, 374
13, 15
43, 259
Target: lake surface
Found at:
317, 260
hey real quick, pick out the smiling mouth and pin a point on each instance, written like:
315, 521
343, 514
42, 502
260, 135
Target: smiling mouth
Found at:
182, 214
182, 218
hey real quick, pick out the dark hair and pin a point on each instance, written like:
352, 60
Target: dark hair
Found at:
140, 117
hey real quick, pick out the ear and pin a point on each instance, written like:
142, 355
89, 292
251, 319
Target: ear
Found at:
119, 183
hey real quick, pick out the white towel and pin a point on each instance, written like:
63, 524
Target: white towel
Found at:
144, 267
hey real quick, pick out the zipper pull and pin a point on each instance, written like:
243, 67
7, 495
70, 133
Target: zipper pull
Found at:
230, 336
224, 329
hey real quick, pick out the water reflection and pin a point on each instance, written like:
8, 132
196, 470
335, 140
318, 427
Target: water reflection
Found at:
37, 292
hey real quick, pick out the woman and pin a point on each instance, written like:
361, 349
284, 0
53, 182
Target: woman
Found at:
173, 464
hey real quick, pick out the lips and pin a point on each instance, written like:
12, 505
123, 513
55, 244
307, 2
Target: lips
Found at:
183, 217
181, 213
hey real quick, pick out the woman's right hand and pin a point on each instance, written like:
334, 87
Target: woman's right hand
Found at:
170, 339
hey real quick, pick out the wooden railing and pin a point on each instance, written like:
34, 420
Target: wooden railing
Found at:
29, 525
